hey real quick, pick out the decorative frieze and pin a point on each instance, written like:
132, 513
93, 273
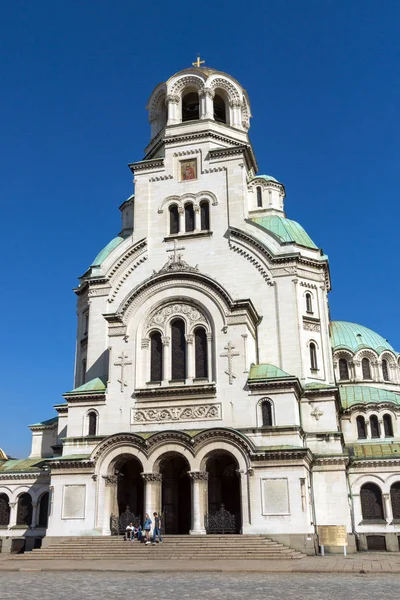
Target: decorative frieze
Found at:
166, 312
310, 326
198, 475
190, 412
152, 477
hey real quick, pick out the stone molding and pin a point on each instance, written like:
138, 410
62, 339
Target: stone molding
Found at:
152, 477
189, 412
198, 475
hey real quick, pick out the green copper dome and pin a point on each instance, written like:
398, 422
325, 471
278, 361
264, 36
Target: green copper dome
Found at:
266, 178
354, 337
285, 230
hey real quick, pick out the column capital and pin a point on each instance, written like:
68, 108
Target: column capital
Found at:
111, 479
198, 475
152, 477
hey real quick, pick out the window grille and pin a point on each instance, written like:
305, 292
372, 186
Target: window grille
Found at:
343, 369
371, 502
361, 428
200, 341
266, 413
173, 219
373, 422
385, 370
366, 368
156, 357
313, 357
189, 218
388, 425
178, 350
92, 423
204, 215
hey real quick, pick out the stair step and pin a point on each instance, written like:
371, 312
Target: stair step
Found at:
218, 547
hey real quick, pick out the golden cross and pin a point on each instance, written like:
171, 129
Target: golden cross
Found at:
198, 62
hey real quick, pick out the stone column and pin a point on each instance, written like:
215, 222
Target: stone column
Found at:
209, 357
152, 493
111, 497
190, 374
199, 501
166, 359
197, 219
34, 515
173, 109
145, 358
206, 97
181, 212
235, 109
381, 429
13, 514
387, 508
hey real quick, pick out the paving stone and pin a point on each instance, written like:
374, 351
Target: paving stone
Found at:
218, 586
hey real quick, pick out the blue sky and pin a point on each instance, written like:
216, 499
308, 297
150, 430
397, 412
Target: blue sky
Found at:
323, 80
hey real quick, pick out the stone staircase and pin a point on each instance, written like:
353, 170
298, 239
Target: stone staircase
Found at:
174, 547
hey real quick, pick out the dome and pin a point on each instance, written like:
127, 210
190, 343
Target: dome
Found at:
354, 337
266, 178
285, 230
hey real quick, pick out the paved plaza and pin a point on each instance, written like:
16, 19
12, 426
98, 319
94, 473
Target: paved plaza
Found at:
258, 586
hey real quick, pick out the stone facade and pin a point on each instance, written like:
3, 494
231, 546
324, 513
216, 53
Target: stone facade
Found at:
204, 368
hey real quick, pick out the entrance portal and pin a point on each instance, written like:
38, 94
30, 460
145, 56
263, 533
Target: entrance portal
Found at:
130, 486
176, 502
224, 486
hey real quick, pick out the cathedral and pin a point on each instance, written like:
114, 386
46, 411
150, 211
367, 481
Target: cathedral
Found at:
210, 384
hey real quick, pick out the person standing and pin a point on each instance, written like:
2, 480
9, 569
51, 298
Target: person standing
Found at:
157, 528
147, 527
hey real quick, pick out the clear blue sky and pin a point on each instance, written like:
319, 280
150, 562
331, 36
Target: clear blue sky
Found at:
324, 86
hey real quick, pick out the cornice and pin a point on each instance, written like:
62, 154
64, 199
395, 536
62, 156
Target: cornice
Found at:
275, 385
208, 390
371, 463
242, 149
85, 398
22, 475
71, 464
148, 164
323, 461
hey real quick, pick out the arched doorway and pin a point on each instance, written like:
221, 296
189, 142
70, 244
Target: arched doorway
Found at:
224, 486
130, 485
176, 500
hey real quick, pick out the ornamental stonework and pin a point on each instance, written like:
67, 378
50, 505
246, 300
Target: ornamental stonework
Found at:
188, 311
198, 412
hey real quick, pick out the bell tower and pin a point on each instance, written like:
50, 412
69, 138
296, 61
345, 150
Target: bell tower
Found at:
198, 99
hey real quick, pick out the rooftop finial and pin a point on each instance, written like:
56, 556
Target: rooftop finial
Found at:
198, 62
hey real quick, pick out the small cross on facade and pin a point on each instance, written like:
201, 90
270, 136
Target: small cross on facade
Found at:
316, 413
122, 363
229, 354
175, 257
198, 62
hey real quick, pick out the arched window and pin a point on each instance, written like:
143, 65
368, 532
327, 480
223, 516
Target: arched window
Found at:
4, 510
361, 429
313, 357
309, 303
395, 498
92, 423
190, 107
366, 368
204, 215
178, 350
373, 422
371, 502
343, 369
219, 109
156, 356
43, 510
173, 219
259, 196
24, 510
266, 413
388, 425
83, 371
385, 370
200, 350
189, 217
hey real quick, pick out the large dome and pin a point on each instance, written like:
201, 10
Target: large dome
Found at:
354, 337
